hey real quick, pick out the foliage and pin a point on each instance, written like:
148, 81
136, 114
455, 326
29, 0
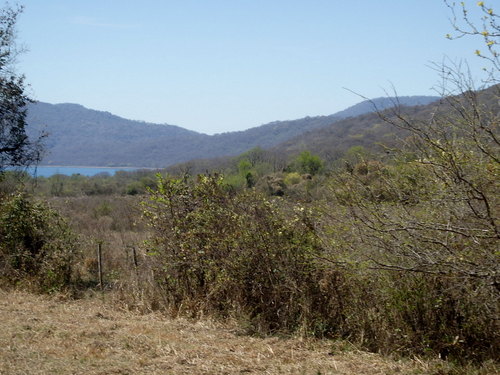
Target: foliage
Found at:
423, 232
308, 163
245, 171
102, 184
218, 251
486, 28
36, 244
16, 149
424, 225
292, 178
398, 253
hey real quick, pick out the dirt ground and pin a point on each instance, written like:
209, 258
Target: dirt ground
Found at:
49, 335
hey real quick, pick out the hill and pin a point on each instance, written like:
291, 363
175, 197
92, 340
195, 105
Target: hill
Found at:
367, 131
371, 132
81, 136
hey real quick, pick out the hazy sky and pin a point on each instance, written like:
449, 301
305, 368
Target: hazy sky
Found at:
224, 65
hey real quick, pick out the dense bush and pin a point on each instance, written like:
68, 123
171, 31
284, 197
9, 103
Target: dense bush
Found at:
276, 267
428, 220
226, 253
36, 244
416, 313
306, 162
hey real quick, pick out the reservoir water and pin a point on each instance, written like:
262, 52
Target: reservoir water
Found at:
47, 171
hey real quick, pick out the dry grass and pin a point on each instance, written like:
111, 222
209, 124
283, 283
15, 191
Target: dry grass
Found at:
47, 335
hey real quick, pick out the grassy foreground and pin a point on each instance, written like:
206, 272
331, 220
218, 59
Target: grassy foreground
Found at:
49, 335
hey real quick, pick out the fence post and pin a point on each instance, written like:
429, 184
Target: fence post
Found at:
134, 254
136, 263
99, 264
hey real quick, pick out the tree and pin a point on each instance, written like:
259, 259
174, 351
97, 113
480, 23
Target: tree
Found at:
308, 163
423, 228
16, 148
435, 208
488, 29
245, 170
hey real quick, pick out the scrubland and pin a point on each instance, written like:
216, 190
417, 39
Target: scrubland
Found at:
302, 266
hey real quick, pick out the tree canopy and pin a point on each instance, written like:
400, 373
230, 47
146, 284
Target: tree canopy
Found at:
16, 148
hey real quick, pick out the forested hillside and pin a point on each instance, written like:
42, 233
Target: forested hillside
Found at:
374, 131
80, 136
366, 133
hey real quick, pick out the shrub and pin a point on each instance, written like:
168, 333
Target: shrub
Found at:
36, 244
226, 253
426, 228
308, 163
292, 178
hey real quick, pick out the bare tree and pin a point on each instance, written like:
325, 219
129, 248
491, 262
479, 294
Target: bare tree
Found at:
434, 207
487, 28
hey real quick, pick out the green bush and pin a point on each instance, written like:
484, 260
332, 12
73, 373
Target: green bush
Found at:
36, 244
307, 163
292, 178
264, 262
217, 251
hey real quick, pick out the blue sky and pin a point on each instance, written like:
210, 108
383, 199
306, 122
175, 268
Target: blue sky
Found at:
226, 65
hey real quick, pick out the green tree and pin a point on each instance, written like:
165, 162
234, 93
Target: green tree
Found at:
245, 169
308, 163
16, 148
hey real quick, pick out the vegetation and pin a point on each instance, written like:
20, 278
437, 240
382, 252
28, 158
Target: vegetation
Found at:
37, 245
395, 254
217, 251
307, 163
386, 237
80, 136
90, 336
16, 149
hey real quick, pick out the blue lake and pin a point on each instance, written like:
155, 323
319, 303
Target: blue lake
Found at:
46, 171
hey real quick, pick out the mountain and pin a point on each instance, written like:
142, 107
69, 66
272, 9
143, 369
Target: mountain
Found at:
81, 136
367, 106
369, 131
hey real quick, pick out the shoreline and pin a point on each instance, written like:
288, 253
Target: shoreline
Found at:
92, 166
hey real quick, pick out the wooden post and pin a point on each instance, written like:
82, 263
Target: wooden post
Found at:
134, 255
99, 264
136, 263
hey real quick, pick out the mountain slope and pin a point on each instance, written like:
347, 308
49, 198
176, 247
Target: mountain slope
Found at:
371, 132
81, 136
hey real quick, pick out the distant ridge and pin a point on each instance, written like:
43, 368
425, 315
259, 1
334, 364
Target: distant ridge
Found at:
384, 103
369, 131
82, 136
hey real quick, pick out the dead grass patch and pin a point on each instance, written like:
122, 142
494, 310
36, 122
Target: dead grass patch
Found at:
47, 335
